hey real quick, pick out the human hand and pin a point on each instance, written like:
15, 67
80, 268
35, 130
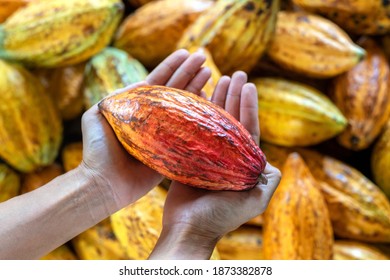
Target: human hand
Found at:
198, 218
104, 158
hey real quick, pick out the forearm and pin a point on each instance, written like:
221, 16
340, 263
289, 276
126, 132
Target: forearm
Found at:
37, 222
181, 243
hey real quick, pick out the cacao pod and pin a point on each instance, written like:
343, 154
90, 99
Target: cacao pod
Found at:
143, 34
294, 114
64, 85
357, 6
139, 225
72, 155
256, 221
61, 253
353, 250
363, 96
231, 26
316, 46
360, 17
109, 70
297, 223
380, 161
99, 243
59, 32
9, 183
358, 208
30, 124
243, 243
185, 137
7, 7
38, 178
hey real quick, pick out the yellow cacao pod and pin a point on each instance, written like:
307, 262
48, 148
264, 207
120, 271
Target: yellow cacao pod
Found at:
30, 124
7, 7
61, 253
316, 46
294, 114
99, 243
72, 155
243, 243
380, 161
354, 250
236, 32
357, 6
9, 183
38, 178
363, 96
59, 32
358, 208
256, 221
212, 151
139, 225
297, 225
64, 85
355, 16
143, 34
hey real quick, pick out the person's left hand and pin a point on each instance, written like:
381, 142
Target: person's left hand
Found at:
200, 216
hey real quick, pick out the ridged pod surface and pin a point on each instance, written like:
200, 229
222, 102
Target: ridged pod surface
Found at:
354, 250
358, 6
236, 32
99, 243
243, 243
64, 85
297, 225
185, 137
30, 124
312, 45
59, 32
380, 161
358, 208
9, 183
72, 155
363, 17
139, 225
110, 70
294, 114
34, 180
7, 7
143, 34
61, 253
363, 96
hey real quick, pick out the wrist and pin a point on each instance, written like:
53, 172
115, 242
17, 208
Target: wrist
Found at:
183, 242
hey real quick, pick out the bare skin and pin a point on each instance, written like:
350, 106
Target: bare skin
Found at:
35, 223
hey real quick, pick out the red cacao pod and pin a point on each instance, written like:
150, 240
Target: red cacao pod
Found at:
185, 137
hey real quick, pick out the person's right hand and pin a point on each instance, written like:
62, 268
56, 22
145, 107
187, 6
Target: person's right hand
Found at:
104, 158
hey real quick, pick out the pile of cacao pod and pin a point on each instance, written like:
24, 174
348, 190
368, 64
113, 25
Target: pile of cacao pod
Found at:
322, 72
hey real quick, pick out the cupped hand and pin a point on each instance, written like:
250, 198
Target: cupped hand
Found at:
104, 158
211, 214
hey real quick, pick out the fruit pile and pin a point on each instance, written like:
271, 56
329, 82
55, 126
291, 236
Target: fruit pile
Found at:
322, 72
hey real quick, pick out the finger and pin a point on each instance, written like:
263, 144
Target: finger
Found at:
232, 104
163, 72
186, 71
199, 81
249, 115
220, 91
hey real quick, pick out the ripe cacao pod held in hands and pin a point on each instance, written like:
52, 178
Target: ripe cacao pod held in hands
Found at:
185, 137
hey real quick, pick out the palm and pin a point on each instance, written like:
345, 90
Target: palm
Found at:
213, 212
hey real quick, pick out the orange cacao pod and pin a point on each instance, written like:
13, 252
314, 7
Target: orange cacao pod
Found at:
363, 96
38, 178
297, 223
185, 137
